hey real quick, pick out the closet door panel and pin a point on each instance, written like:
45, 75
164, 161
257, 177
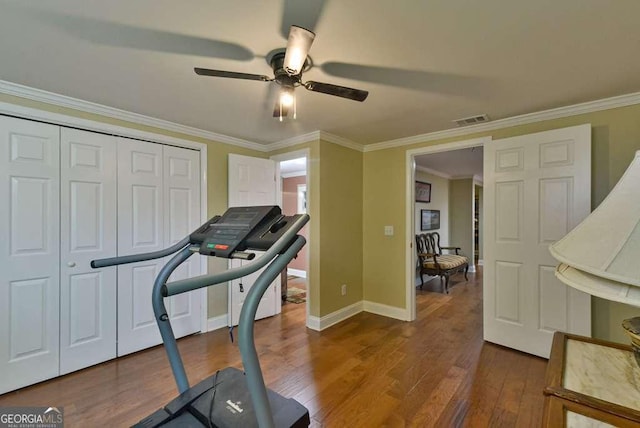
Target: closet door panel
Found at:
182, 216
29, 252
88, 232
140, 230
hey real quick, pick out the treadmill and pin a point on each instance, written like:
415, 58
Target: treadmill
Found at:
230, 397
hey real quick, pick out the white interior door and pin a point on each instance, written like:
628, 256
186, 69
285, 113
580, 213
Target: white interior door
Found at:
270, 299
252, 181
87, 232
181, 217
140, 230
29, 252
537, 188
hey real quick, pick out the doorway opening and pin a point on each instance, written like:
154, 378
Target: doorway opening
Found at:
293, 198
452, 173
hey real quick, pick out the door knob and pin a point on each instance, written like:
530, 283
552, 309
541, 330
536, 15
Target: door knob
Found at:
71, 264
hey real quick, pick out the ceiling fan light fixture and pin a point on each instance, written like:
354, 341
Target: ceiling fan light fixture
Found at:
288, 64
286, 101
286, 97
298, 45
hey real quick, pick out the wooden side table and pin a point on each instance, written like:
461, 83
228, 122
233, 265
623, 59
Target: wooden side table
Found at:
591, 382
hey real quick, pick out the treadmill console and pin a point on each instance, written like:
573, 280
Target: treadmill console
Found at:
223, 235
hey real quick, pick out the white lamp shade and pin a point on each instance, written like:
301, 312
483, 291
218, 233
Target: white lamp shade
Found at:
601, 255
298, 46
598, 286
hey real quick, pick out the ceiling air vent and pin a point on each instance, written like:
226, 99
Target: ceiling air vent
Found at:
471, 120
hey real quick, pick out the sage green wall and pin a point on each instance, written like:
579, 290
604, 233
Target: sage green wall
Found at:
615, 138
341, 223
384, 204
461, 215
216, 180
335, 191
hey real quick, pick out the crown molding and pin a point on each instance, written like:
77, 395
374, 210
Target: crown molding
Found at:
289, 142
475, 177
316, 136
14, 89
433, 172
294, 174
341, 141
556, 113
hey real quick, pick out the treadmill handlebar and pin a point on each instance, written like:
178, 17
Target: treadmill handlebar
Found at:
133, 258
281, 245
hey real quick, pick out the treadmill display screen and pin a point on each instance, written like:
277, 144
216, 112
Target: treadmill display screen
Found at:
224, 235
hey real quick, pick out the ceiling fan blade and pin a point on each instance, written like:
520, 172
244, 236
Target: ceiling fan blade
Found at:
427, 81
231, 74
302, 13
134, 37
338, 91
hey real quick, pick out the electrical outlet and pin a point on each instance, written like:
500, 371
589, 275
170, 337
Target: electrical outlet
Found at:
344, 289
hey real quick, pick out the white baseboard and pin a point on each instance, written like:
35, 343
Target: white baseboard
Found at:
313, 323
385, 310
297, 272
480, 262
472, 268
217, 322
319, 324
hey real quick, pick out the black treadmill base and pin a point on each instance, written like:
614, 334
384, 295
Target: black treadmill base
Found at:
223, 401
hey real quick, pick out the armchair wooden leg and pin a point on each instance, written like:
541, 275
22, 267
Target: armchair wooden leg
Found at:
466, 269
446, 284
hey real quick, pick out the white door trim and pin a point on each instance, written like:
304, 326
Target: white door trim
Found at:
121, 131
306, 153
410, 298
204, 216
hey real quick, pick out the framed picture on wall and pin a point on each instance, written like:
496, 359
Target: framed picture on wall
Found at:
429, 219
423, 191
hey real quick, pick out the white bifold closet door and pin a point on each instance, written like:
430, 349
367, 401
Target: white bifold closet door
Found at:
29, 252
158, 204
181, 217
88, 215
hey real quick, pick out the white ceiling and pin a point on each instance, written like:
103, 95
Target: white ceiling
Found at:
424, 63
293, 167
463, 163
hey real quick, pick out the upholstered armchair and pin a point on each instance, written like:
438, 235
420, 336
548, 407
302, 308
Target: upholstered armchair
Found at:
434, 262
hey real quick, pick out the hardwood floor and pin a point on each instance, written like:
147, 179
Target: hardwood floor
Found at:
367, 371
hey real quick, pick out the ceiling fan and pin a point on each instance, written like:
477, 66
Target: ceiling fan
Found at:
288, 66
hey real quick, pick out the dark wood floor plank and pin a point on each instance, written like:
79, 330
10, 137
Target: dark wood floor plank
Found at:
366, 371
437, 401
